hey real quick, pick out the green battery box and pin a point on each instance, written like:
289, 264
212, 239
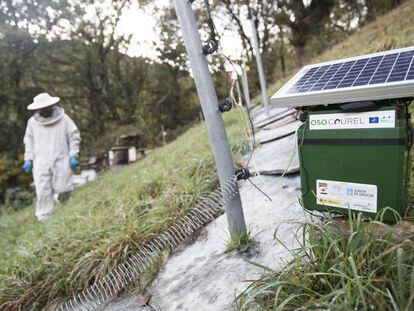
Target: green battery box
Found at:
356, 161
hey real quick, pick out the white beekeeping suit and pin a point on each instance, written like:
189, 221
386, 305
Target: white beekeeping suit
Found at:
50, 142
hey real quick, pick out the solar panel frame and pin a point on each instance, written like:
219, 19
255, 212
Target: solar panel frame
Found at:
304, 90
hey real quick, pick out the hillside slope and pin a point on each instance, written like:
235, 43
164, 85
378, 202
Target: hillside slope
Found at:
106, 220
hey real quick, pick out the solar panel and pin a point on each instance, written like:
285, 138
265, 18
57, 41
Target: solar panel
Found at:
375, 76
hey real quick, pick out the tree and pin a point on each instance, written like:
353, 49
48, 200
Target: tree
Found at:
23, 26
101, 84
304, 22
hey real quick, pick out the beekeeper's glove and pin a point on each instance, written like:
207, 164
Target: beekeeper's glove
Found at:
27, 166
73, 162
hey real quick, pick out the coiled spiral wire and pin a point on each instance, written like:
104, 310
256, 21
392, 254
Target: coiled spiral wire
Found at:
107, 287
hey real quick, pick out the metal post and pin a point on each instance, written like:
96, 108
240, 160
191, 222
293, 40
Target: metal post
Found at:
259, 66
245, 85
239, 98
214, 122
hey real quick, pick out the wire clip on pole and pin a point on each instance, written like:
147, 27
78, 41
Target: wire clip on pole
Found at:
225, 104
210, 47
242, 173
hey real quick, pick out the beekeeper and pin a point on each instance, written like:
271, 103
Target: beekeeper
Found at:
51, 151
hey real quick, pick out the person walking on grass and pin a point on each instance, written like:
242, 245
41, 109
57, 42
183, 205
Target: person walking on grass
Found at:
51, 151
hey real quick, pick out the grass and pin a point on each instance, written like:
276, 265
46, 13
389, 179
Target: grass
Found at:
105, 221
242, 243
368, 268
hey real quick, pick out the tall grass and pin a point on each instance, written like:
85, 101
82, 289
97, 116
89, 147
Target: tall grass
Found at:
105, 221
369, 266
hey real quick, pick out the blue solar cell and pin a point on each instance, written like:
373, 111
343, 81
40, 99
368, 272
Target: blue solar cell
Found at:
401, 66
410, 74
364, 71
312, 80
368, 71
307, 75
326, 77
384, 69
303, 79
352, 74
337, 77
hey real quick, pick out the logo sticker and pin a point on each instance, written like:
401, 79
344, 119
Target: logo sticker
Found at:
357, 120
359, 197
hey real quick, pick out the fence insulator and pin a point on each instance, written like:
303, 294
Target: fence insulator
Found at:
243, 173
210, 47
225, 105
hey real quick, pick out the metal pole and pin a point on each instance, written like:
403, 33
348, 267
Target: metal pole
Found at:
239, 98
245, 85
214, 122
259, 65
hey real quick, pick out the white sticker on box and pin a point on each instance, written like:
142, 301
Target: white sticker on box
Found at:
359, 197
357, 120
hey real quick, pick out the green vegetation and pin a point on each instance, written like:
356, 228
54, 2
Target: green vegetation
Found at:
242, 243
105, 221
368, 266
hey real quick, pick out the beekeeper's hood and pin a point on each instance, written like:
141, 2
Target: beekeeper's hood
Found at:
58, 113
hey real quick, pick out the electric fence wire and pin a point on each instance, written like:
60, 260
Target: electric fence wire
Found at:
249, 119
223, 55
253, 134
151, 253
251, 124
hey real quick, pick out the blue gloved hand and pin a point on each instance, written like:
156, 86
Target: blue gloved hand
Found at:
27, 166
73, 162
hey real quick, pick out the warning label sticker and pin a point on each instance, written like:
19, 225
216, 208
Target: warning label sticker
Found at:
357, 120
359, 197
